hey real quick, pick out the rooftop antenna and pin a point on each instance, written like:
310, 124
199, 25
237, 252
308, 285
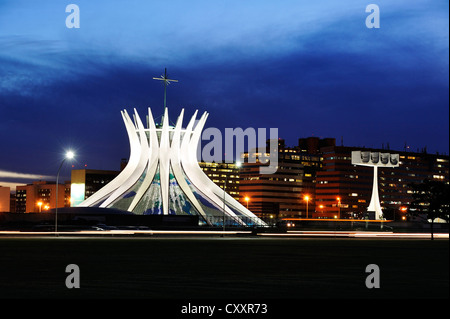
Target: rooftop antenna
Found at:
166, 82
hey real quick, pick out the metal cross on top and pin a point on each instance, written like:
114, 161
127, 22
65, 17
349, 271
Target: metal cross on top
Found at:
166, 82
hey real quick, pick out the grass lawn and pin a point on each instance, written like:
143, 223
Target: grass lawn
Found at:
233, 268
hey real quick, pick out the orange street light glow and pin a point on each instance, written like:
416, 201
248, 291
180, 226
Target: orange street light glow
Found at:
247, 199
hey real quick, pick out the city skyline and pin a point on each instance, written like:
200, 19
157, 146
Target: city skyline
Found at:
306, 69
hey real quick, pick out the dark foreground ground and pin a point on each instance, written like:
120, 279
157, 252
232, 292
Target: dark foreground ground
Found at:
223, 268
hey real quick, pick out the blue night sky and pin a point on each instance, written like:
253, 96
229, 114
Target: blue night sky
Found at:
308, 68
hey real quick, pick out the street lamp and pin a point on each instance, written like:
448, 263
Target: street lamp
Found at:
40, 206
339, 206
307, 200
403, 210
321, 209
224, 203
247, 200
69, 155
238, 165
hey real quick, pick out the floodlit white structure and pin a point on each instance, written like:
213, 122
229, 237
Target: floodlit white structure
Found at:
375, 159
163, 176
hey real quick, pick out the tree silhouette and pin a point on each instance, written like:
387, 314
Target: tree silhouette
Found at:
431, 198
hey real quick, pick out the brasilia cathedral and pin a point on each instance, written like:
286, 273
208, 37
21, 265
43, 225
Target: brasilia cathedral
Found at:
163, 176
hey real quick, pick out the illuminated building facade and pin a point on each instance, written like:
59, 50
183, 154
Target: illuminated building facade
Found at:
336, 188
223, 174
290, 191
41, 196
85, 182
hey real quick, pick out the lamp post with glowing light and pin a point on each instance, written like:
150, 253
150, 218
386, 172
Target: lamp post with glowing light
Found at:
403, 210
306, 198
40, 206
69, 155
339, 207
238, 165
247, 199
321, 209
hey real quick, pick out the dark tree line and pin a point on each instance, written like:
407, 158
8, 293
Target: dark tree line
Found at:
431, 198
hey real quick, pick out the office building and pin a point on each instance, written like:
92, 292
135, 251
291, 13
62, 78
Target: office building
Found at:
41, 196
290, 191
86, 182
223, 173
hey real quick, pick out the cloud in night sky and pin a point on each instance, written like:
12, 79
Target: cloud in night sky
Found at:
13, 179
305, 68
